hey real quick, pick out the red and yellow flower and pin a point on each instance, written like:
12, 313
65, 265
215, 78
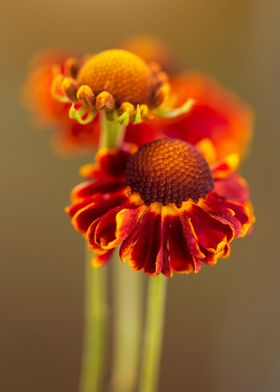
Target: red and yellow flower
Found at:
70, 94
217, 114
165, 205
115, 81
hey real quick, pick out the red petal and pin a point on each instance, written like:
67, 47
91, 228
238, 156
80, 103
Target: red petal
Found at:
141, 248
240, 212
90, 188
110, 164
212, 234
225, 167
87, 215
76, 137
74, 208
234, 188
37, 91
101, 259
113, 227
142, 133
218, 115
175, 246
191, 237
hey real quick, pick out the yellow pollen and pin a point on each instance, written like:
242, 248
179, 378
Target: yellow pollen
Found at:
122, 74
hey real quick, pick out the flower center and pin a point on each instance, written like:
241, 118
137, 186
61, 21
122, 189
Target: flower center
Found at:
169, 171
121, 73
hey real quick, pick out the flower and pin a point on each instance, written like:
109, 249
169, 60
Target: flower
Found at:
77, 127
217, 114
116, 81
167, 208
69, 134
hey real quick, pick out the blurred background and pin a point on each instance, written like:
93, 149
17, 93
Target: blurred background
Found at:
222, 331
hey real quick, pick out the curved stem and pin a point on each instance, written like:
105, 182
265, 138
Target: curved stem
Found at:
127, 297
95, 327
153, 334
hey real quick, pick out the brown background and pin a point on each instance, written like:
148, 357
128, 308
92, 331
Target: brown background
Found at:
222, 330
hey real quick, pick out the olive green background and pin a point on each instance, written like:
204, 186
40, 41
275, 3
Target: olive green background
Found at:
222, 330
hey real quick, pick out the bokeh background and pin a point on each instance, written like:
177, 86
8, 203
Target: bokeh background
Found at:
222, 331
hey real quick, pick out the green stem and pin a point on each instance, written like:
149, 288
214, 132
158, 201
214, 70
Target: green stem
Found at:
95, 291
112, 132
127, 297
153, 334
95, 327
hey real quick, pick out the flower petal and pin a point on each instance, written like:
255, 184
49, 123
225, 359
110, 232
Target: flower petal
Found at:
91, 188
212, 233
88, 214
75, 137
234, 188
241, 212
141, 248
113, 227
101, 259
110, 163
226, 167
207, 149
218, 115
175, 247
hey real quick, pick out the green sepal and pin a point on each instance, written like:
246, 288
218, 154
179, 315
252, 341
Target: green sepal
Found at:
77, 114
173, 113
62, 98
138, 116
57, 97
123, 119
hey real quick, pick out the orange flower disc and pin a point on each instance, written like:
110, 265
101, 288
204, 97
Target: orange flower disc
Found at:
169, 171
121, 73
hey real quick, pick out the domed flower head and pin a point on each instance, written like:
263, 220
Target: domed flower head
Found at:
69, 135
115, 81
167, 208
217, 114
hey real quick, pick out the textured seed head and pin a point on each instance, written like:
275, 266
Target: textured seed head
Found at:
169, 171
121, 73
